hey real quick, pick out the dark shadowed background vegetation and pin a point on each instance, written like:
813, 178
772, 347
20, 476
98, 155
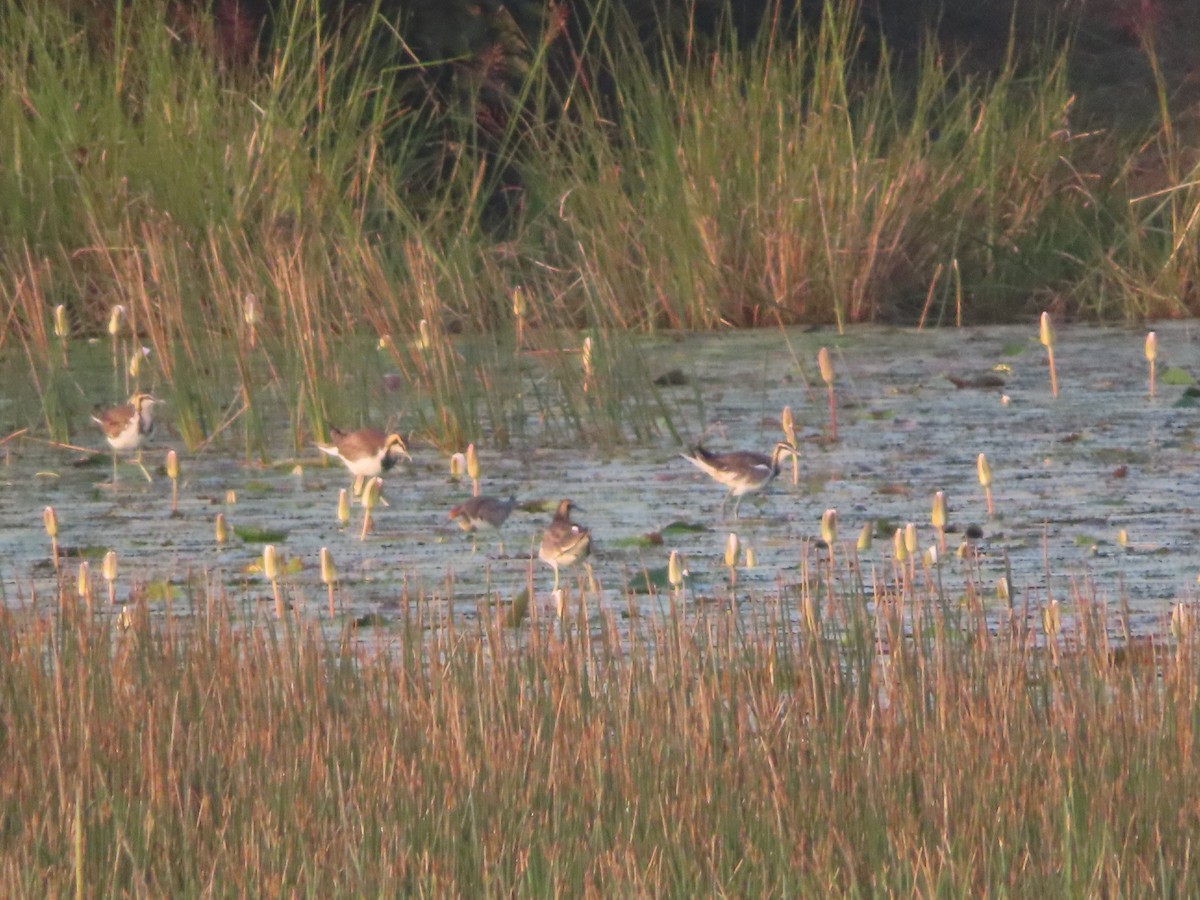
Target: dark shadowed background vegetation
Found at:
463, 218
255, 180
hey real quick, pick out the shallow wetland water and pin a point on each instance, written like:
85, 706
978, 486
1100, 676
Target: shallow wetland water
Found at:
1070, 475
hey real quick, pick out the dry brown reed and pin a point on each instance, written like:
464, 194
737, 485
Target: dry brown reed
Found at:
886, 741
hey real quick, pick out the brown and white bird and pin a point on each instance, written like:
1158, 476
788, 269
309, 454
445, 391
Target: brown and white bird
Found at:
367, 452
742, 471
564, 543
126, 425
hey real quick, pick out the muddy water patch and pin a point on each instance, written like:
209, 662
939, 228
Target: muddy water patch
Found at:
1095, 491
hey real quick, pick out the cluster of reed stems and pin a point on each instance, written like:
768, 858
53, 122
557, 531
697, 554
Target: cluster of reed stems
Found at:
880, 740
261, 276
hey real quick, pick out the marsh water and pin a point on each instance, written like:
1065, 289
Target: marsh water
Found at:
1095, 491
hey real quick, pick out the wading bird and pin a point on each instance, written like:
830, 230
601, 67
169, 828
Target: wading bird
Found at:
124, 427
482, 514
742, 471
564, 543
367, 452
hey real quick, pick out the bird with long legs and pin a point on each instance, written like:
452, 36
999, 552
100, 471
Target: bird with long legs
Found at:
564, 542
741, 471
366, 453
482, 514
125, 427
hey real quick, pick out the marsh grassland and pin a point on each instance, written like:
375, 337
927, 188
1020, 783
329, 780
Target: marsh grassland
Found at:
833, 715
913, 747
954, 651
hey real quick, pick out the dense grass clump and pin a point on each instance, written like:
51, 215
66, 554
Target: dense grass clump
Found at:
807, 744
252, 222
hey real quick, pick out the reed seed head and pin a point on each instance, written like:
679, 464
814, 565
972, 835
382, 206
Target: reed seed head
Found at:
519, 304
270, 563
1051, 619
458, 464
864, 538
1046, 331
985, 471
60, 321
109, 567
114, 319
424, 342
230, 497
586, 356
472, 463
938, 515
731, 550
50, 520
371, 491
83, 581
221, 530
675, 569
910, 538
825, 364
788, 422
751, 558
328, 569
829, 526
135, 364
343, 507
1151, 346
172, 465
898, 546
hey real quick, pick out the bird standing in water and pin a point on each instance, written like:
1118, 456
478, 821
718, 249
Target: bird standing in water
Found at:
482, 514
367, 452
742, 471
124, 427
564, 542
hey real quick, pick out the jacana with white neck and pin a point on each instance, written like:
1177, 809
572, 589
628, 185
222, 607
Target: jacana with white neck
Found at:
126, 425
367, 452
741, 471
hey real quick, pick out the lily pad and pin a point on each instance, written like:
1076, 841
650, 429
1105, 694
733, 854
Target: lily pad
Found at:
681, 527
884, 528
92, 461
88, 551
1177, 376
649, 581
252, 535
1191, 397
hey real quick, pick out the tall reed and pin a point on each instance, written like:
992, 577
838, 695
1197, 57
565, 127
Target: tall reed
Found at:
790, 177
881, 738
